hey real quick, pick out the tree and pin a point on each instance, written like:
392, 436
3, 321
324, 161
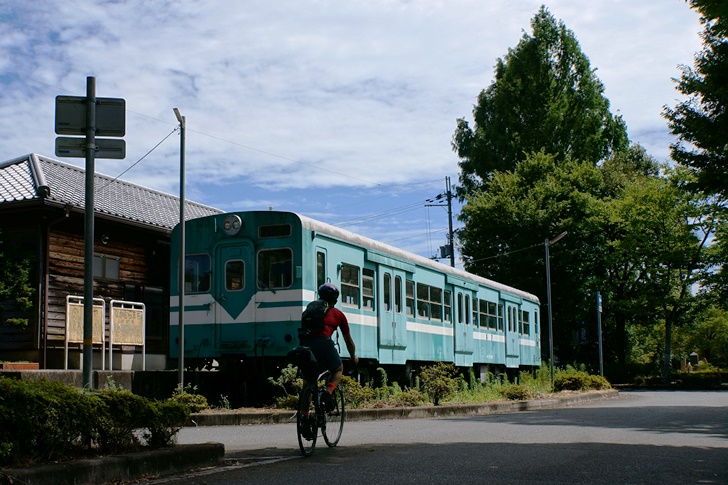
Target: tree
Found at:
16, 290
701, 121
545, 97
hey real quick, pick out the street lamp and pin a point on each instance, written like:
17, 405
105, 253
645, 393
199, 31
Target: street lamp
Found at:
546, 244
181, 274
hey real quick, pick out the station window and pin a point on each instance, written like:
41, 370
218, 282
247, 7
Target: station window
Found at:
275, 268
234, 275
106, 267
367, 285
448, 306
398, 294
349, 285
197, 273
277, 230
410, 288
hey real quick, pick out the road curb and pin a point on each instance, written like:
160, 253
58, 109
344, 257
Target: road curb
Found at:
233, 418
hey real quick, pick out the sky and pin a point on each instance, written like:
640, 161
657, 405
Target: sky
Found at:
343, 111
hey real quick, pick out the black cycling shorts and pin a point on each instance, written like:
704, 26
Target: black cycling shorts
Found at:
325, 351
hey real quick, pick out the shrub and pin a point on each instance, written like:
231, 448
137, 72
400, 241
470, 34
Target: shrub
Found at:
189, 397
577, 380
515, 392
356, 395
124, 413
439, 381
166, 419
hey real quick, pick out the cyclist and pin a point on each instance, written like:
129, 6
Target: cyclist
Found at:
321, 344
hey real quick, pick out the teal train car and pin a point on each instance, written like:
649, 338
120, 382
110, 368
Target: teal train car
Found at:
249, 275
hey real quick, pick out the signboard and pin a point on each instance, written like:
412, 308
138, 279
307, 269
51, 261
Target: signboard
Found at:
76, 147
71, 116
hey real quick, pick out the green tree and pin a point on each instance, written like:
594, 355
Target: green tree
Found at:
701, 121
545, 96
16, 291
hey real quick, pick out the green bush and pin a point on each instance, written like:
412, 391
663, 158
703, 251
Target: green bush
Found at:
44, 421
439, 381
356, 395
189, 397
576, 380
515, 392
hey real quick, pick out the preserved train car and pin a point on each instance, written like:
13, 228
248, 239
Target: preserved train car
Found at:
249, 275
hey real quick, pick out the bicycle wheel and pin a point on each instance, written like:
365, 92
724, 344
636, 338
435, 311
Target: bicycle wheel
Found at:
306, 426
335, 419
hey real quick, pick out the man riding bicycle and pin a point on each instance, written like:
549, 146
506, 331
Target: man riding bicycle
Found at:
320, 343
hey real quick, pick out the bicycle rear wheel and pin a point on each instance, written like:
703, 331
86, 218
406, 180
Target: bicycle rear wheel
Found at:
335, 419
306, 425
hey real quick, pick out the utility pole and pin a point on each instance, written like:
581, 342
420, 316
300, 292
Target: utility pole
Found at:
450, 234
181, 269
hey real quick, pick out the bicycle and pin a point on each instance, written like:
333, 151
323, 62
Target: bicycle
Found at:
313, 415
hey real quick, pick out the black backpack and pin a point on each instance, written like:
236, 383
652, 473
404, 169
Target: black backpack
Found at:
312, 319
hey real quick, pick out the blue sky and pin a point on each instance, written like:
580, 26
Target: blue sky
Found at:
340, 110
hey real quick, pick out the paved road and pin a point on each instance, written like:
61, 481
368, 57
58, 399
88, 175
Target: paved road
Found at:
640, 437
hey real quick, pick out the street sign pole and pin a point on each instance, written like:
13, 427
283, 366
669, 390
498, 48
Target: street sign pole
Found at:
88, 279
599, 331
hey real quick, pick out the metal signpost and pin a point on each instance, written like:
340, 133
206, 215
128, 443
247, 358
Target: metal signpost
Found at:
599, 331
89, 116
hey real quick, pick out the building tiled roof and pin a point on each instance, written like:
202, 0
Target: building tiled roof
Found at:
35, 177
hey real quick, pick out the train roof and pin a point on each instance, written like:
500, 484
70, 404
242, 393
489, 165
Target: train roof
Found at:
360, 240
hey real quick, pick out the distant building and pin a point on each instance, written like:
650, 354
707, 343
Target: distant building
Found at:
42, 211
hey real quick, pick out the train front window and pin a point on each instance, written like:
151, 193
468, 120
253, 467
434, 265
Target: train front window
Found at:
234, 275
275, 268
197, 273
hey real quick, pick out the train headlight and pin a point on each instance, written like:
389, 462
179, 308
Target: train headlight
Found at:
232, 224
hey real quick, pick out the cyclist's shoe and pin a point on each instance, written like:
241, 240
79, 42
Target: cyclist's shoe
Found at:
328, 401
308, 430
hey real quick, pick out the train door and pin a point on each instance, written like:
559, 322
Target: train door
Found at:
234, 288
512, 345
463, 328
391, 316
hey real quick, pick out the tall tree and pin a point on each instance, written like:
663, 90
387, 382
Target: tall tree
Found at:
545, 96
701, 121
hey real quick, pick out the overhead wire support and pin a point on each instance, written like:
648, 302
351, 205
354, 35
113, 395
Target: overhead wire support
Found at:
450, 234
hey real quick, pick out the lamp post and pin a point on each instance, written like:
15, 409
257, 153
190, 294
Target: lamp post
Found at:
546, 244
181, 274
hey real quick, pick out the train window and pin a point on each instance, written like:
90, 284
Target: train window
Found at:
436, 303
277, 230
448, 306
398, 294
387, 292
535, 322
467, 310
460, 308
475, 313
489, 314
410, 288
275, 268
197, 273
320, 268
423, 296
367, 288
500, 317
234, 275
526, 323
349, 285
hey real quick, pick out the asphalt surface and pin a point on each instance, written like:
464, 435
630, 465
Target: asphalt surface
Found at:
180, 458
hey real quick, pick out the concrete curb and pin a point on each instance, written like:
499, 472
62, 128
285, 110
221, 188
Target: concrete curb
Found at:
497, 407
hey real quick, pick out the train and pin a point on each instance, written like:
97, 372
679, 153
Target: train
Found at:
249, 275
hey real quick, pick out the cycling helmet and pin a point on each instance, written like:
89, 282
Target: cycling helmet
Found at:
328, 292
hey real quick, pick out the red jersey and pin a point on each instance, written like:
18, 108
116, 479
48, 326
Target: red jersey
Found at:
333, 319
